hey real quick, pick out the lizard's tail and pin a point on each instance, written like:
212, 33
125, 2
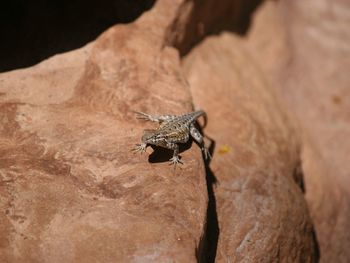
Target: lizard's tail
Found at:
199, 113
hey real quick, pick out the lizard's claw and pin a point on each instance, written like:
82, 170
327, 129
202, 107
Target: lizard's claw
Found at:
142, 116
140, 148
174, 161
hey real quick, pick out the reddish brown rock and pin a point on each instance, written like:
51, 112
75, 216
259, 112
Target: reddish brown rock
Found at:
71, 189
262, 215
307, 62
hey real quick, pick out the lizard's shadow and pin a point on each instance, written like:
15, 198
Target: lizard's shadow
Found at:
161, 154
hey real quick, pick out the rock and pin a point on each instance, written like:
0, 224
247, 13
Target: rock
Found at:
307, 62
262, 215
71, 189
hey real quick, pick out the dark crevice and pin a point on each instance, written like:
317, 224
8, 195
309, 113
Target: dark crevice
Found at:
32, 31
211, 18
317, 252
208, 254
206, 251
298, 176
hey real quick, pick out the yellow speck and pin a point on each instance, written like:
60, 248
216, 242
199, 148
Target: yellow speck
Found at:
224, 149
336, 99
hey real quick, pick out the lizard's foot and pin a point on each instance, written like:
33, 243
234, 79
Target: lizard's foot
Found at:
140, 147
143, 116
175, 160
206, 152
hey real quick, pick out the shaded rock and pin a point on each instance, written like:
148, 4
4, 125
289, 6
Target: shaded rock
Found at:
34, 31
262, 215
197, 19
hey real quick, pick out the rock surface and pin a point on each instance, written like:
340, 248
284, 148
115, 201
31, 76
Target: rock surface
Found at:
307, 62
71, 190
262, 215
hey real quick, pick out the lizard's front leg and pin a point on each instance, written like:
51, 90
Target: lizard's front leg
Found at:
140, 147
175, 159
199, 138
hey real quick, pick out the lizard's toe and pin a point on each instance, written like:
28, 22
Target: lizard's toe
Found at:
142, 116
140, 148
175, 160
206, 152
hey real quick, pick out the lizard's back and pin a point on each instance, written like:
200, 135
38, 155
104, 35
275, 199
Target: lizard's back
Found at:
177, 129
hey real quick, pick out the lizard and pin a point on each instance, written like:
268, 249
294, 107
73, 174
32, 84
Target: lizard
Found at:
172, 130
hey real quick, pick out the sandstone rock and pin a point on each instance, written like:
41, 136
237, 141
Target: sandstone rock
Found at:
262, 215
71, 189
307, 62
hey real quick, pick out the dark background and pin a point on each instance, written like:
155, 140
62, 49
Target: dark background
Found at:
34, 30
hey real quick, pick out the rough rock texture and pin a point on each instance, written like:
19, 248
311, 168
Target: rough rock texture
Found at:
262, 215
71, 189
307, 62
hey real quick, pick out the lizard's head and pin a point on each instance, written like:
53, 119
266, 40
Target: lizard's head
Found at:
148, 136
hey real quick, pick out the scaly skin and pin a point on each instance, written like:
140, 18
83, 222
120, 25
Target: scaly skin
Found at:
172, 130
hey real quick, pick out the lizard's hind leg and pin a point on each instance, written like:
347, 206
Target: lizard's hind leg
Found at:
198, 137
